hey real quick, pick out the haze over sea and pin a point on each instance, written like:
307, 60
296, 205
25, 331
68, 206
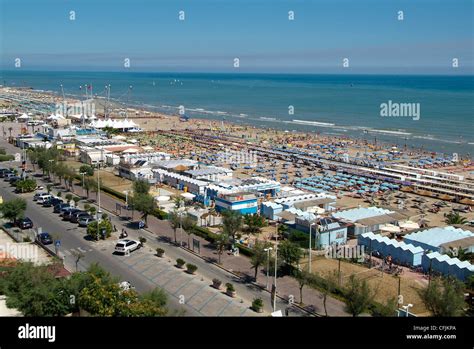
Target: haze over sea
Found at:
337, 104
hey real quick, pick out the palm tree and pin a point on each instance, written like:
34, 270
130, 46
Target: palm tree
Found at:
178, 201
231, 223
221, 242
175, 222
455, 218
188, 225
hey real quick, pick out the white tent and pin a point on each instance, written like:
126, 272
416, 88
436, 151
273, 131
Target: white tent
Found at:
23, 116
390, 228
188, 196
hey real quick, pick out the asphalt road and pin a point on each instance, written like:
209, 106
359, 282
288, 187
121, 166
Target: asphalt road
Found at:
72, 237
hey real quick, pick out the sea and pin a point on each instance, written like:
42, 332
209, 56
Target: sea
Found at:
435, 112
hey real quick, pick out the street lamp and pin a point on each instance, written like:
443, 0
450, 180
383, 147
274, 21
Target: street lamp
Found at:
83, 189
268, 264
309, 250
275, 282
50, 167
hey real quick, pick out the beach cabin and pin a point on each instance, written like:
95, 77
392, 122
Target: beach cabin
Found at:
439, 239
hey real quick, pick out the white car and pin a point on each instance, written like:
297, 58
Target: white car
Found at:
126, 246
37, 195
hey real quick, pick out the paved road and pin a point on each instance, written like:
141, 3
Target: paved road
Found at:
189, 294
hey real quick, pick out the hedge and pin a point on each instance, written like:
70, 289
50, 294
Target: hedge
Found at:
6, 157
162, 215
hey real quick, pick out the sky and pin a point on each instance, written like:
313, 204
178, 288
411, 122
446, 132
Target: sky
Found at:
257, 32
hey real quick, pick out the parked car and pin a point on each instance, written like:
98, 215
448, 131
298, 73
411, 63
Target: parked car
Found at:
127, 246
68, 215
4, 172
75, 216
44, 238
8, 176
14, 179
85, 220
52, 202
25, 223
43, 198
37, 195
59, 207
65, 210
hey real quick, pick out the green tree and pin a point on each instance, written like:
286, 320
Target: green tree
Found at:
26, 185
259, 256
231, 223
34, 291
48, 188
141, 186
455, 218
76, 200
290, 253
144, 203
68, 197
358, 296
188, 225
175, 222
222, 241
387, 309
254, 223
303, 277
13, 209
444, 297
87, 170
95, 229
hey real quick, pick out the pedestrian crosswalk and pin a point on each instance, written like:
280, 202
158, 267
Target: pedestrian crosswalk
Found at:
75, 251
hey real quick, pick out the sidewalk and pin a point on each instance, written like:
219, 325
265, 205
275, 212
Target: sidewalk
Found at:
287, 287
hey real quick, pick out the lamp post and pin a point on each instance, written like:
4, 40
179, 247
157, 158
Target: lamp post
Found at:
268, 264
275, 282
98, 193
309, 250
50, 167
83, 189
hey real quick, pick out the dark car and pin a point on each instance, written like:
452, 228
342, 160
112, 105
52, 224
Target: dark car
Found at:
25, 223
14, 179
65, 210
4, 172
55, 201
59, 207
44, 238
75, 216
68, 215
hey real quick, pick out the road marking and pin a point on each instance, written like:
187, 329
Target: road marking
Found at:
81, 249
225, 307
210, 299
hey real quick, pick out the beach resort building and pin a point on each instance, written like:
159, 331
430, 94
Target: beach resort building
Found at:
210, 173
244, 202
367, 219
180, 182
325, 231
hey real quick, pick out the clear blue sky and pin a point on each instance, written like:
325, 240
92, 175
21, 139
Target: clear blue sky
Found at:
256, 31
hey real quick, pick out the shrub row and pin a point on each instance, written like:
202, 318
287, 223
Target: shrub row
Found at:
4, 157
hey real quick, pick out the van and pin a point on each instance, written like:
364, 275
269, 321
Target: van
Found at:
42, 198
